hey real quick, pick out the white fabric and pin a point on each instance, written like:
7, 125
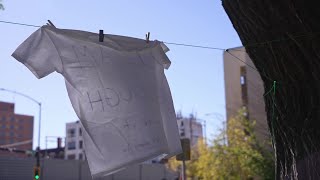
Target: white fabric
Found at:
117, 88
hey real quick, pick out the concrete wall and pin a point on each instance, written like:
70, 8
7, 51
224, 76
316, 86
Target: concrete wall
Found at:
51, 169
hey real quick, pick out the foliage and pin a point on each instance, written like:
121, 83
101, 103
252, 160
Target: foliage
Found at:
242, 157
191, 168
1, 5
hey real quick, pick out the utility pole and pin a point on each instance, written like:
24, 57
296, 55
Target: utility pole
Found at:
185, 155
184, 170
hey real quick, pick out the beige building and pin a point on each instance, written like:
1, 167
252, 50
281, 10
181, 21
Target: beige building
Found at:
244, 88
74, 147
190, 127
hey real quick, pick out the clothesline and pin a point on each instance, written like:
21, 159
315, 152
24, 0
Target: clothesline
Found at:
200, 46
172, 43
227, 50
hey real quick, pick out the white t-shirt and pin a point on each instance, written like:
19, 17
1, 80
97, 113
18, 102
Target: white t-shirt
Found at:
117, 88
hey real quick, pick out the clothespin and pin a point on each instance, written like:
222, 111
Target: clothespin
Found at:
50, 23
147, 37
101, 36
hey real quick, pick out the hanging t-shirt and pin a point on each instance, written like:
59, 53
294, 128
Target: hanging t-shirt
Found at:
117, 88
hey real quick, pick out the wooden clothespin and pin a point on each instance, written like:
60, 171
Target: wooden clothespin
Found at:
50, 23
101, 36
147, 37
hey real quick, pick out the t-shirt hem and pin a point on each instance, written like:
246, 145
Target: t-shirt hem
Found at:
109, 171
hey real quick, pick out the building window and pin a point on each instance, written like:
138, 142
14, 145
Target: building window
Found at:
71, 156
244, 91
181, 123
12, 118
80, 132
80, 144
3, 118
12, 127
71, 132
243, 73
71, 145
182, 134
242, 80
11, 134
80, 156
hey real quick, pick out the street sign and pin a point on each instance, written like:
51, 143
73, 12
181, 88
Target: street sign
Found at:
186, 154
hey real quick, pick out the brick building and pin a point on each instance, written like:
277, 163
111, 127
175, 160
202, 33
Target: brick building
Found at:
16, 130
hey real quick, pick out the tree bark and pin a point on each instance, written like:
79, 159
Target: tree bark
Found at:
282, 37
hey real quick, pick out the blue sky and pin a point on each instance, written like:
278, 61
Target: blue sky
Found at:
195, 77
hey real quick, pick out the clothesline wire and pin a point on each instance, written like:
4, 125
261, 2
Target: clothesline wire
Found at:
171, 43
199, 46
195, 46
16, 23
203, 47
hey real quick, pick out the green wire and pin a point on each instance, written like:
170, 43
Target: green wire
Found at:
273, 88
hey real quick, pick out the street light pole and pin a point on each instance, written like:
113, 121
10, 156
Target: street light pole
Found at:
39, 128
204, 124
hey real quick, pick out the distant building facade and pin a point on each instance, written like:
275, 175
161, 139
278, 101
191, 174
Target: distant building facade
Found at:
244, 89
74, 147
190, 128
54, 153
16, 130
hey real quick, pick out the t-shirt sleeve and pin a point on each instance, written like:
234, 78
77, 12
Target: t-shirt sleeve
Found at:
159, 53
39, 54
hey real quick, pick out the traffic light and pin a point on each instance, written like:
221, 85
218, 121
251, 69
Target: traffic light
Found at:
36, 173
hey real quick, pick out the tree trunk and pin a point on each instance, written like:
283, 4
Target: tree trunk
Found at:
282, 37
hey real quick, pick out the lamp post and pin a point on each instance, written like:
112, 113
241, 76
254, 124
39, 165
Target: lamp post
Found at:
39, 104
204, 123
